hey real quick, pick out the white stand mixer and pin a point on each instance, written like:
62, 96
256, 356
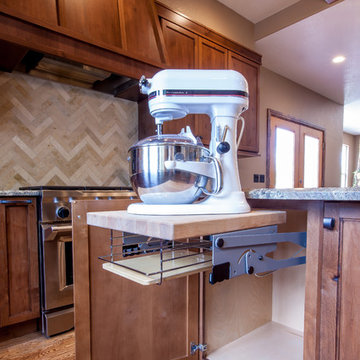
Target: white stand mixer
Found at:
221, 94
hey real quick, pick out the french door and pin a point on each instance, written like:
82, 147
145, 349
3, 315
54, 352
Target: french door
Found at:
295, 154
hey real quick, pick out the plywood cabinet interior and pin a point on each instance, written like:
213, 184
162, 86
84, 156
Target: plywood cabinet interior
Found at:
19, 274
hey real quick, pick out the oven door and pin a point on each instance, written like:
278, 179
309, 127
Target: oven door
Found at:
57, 265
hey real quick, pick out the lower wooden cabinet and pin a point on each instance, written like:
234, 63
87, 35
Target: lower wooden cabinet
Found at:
19, 274
117, 319
340, 286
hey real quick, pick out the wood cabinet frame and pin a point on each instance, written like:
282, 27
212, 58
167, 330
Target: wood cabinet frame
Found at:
89, 309
19, 265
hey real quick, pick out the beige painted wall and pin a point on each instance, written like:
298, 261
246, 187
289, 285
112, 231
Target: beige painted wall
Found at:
56, 134
280, 94
217, 17
276, 92
353, 143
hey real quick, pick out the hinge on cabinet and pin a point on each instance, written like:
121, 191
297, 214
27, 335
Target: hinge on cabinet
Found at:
197, 347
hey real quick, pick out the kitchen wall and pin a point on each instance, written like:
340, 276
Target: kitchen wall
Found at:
217, 17
280, 94
353, 143
276, 92
56, 134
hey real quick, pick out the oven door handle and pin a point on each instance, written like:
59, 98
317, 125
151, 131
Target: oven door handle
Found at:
52, 232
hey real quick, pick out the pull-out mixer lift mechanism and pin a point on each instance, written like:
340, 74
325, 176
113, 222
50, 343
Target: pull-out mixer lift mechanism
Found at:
223, 96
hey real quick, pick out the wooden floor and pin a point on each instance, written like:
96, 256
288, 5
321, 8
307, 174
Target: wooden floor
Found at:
35, 346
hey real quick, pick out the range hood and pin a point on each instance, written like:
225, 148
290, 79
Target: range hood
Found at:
56, 69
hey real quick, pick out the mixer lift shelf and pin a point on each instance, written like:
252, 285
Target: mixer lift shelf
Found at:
240, 246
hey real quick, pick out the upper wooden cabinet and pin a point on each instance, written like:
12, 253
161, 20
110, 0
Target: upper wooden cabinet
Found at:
92, 19
211, 56
250, 140
182, 49
44, 11
192, 46
130, 28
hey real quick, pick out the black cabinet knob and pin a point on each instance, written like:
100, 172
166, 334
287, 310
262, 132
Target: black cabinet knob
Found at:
329, 223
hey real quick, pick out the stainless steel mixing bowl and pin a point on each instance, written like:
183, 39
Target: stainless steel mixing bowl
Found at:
156, 184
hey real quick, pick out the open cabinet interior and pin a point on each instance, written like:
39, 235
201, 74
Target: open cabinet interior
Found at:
167, 321
252, 317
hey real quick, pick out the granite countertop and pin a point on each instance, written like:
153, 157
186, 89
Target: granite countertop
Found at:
325, 193
19, 193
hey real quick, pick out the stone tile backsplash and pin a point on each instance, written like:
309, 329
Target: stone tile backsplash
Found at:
57, 134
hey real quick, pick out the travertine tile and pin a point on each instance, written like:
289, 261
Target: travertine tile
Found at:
56, 134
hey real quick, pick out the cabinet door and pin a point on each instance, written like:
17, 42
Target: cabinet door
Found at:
19, 276
31, 10
211, 56
182, 50
92, 19
250, 71
340, 289
118, 319
142, 32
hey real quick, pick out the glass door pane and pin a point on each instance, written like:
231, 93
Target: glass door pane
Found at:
311, 162
284, 158
344, 165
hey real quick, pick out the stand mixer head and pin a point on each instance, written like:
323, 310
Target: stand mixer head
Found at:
221, 94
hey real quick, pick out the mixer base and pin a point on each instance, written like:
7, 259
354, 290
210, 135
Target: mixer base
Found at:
234, 204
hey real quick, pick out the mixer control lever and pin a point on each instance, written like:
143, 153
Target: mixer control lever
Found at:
223, 147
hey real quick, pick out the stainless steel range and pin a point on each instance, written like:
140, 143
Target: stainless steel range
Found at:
55, 250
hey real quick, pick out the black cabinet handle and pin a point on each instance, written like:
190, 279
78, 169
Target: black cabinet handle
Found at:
16, 202
329, 223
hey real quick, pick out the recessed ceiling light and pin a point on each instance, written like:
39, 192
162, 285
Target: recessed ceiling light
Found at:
338, 59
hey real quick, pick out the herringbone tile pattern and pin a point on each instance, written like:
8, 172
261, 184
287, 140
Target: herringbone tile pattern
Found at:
56, 134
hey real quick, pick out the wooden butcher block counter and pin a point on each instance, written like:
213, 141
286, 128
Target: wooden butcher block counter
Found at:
153, 269
176, 227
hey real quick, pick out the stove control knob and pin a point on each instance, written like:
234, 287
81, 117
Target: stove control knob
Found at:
62, 212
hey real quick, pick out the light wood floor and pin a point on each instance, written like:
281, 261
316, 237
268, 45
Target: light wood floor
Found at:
37, 347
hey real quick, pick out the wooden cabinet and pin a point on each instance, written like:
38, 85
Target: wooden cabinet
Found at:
182, 49
340, 286
212, 57
91, 19
332, 289
104, 34
118, 319
19, 274
192, 46
250, 139
37, 10
128, 26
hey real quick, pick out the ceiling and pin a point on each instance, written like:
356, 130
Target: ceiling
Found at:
299, 38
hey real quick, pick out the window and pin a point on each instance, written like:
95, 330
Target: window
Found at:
295, 153
344, 165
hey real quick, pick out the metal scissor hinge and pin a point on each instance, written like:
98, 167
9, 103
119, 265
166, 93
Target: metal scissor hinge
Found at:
245, 252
